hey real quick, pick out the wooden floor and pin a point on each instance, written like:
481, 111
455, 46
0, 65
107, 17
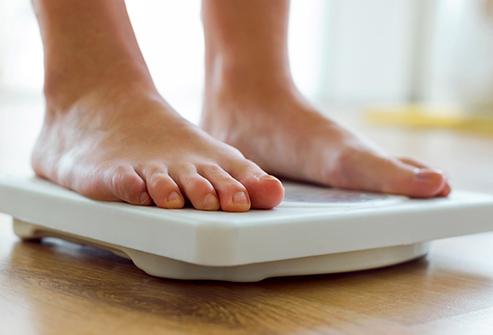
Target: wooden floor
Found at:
61, 288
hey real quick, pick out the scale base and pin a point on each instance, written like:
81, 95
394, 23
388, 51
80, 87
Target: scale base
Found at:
165, 267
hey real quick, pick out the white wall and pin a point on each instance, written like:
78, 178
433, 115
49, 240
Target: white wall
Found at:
370, 50
20, 47
462, 57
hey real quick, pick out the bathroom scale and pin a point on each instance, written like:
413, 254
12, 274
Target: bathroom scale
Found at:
314, 230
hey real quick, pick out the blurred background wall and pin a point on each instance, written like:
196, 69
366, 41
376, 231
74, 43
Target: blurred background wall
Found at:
348, 52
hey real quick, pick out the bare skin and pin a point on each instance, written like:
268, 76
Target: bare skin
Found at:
252, 103
109, 135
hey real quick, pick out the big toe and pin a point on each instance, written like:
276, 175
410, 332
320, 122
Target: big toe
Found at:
373, 172
445, 191
427, 183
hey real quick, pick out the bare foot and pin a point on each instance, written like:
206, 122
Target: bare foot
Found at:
110, 136
275, 127
127, 144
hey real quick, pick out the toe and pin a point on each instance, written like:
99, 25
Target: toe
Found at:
233, 196
197, 189
446, 190
162, 188
265, 191
415, 163
370, 171
125, 184
426, 183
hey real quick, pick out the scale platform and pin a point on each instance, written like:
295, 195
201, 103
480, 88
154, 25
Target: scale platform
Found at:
315, 230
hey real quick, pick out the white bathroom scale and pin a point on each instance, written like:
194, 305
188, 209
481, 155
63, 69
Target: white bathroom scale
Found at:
315, 230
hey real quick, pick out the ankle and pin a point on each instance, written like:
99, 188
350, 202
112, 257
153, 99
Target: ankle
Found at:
63, 93
246, 74
63, 89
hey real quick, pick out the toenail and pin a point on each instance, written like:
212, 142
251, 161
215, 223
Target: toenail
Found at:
269, 177
240, 198
211, 202
427, 174
173, 197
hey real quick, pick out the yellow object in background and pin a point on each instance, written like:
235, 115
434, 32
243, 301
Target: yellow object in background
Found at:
423, 116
